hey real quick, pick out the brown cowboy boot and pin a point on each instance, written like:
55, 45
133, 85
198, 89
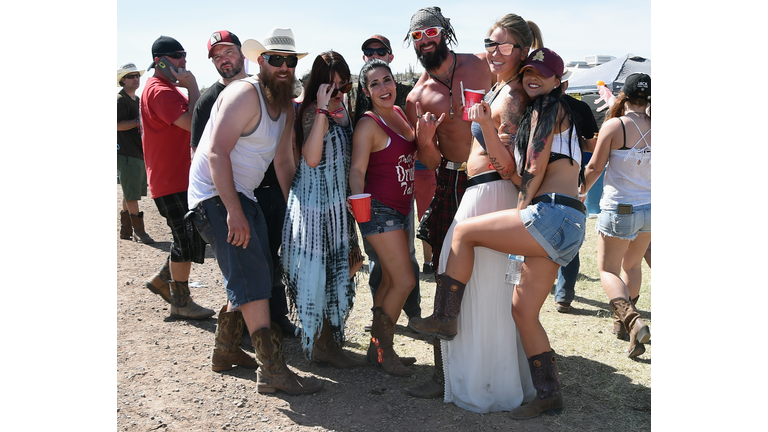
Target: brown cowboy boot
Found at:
638, 329
159, 283
226, 350
326, 350
435, 386
137, 221
546, 381
372, 355
383, 334
182, 305
273, 374
125, 225
442, 323
618, 326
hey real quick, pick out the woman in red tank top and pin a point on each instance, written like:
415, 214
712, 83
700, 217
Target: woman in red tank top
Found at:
383, 156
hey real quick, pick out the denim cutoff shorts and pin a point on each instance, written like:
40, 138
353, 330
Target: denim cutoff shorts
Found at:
247, 272
557, 228
383, 219
624, 226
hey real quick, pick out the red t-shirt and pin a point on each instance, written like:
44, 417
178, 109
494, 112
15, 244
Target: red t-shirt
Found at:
166, 146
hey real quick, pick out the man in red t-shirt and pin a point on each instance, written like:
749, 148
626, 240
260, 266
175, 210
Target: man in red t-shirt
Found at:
166, 120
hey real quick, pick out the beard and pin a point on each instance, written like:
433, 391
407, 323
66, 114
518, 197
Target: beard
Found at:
277, 92
235, 68
434, 59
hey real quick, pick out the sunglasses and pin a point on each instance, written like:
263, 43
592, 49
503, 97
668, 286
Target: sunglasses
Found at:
277, 60
381, 52
174, 55
343, 89
132, 76
431, 32
505, 48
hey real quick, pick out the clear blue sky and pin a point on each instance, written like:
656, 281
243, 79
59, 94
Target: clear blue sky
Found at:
573, 29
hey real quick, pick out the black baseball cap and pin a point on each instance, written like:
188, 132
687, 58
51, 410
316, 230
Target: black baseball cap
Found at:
164, 45
637, 86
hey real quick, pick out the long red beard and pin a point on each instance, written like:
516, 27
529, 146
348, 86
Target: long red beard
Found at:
277, 92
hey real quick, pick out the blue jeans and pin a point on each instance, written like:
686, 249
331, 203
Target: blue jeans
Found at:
566, 281
412, 306
247, 272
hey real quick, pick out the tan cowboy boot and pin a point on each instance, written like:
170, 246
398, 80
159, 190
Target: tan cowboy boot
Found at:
638, 329
137, 221
182, 305
226, 350
159, 283
618, 326
273, 374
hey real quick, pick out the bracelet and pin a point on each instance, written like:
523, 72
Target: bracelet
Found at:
321, 111
581, 195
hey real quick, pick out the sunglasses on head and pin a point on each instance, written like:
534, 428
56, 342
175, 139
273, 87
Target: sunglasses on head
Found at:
174, 55
343, 89
381, 52
132, 76
431, 32
277, 60
505, 48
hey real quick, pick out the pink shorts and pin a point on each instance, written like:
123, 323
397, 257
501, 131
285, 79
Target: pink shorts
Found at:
424, 189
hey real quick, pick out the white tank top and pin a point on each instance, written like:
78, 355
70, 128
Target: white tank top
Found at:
250, 158
628, 175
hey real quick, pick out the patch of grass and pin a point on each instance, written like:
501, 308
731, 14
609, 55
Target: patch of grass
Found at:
604, 390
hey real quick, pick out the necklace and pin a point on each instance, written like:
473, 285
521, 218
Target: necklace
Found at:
448, 82
497, 89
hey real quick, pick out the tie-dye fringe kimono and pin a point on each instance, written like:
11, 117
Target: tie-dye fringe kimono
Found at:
318, 235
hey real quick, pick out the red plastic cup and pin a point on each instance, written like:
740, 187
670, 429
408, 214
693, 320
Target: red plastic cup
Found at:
471, 97
361, 207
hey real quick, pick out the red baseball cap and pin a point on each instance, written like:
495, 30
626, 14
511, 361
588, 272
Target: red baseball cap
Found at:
222, 37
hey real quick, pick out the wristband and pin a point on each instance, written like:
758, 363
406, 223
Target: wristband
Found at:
339, 113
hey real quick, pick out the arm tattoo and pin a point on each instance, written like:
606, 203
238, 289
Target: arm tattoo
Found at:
307, 121
511, 112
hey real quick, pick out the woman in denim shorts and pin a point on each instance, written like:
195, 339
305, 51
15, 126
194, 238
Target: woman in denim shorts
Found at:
383, 155
547, 227
624, 223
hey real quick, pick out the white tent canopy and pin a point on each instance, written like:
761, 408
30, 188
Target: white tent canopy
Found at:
612, 74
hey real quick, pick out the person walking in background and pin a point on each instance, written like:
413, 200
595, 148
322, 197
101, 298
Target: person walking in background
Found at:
378, 47
320, 247
547, 228
130, 156
248, 127
624, 222
166, 116
485, 365
382, 165
586, 127
225, 51
443, 138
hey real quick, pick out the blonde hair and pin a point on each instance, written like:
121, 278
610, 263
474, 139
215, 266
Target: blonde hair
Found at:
526, 33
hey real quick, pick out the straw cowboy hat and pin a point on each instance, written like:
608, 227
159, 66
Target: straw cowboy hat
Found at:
278, 40
125, 70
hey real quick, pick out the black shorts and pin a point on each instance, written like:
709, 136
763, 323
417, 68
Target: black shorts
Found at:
187, 244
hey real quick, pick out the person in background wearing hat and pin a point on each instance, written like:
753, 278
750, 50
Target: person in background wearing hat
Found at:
166, 120
586, 127
547, 227
624, 222
249, 126
444, 139
130, 156
378, 47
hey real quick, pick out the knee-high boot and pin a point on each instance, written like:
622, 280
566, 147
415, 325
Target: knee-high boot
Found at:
442, 323
546, 381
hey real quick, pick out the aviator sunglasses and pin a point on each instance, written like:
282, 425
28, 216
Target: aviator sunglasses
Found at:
505, 48
174, 55
431, 32
132, 76
381, 52
277, 60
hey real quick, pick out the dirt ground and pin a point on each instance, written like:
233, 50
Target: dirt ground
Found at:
165, 381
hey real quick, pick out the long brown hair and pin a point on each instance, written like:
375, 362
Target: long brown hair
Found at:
325, 65
617, 110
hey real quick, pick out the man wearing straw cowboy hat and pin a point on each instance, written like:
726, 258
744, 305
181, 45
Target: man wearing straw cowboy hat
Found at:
250, 125
130, 156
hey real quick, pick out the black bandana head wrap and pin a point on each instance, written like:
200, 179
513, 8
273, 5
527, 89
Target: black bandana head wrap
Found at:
431, 17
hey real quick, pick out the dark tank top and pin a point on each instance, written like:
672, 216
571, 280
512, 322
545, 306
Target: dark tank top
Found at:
477, 131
